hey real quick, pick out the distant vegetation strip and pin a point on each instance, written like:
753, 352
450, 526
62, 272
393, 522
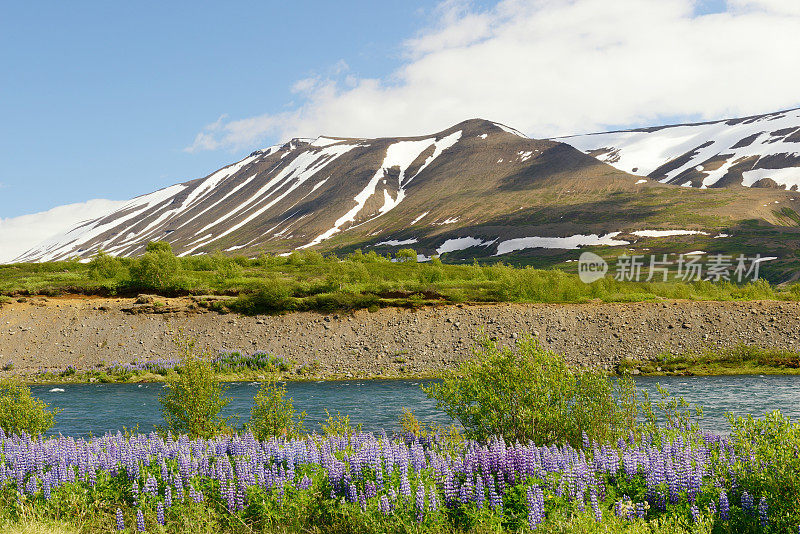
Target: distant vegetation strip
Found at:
229, 366
740, 360
260, 366
310, 281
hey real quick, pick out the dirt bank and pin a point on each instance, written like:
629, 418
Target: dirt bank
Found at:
52, 333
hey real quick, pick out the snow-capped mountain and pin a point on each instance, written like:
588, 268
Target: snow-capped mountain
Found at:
309, 192
756, 151
477, 189
18, 233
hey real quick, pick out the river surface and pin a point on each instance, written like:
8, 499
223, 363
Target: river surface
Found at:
94, 409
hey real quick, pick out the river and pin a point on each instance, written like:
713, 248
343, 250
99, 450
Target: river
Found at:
93, 409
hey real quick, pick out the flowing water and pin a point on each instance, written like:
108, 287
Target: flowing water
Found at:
377, 404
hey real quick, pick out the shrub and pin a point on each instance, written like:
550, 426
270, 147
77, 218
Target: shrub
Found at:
339, 425
273, 414
195, 397
20, 412
225, 269
271, 297
406, 255
769, 453
104, 266
158, 267
529, 394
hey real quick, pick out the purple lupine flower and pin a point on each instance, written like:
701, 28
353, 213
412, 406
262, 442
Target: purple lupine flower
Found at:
479, 495
151, 486
139, 520
535, 501
762, 512
160, 513
120, 520
419, 501
385, 507
433, 502
598, 513
747, 502
405, 485
695, 511
304, 483
168, 497
724, 507
495, 500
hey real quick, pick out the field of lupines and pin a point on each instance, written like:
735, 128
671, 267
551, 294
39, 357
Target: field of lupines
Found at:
670, 481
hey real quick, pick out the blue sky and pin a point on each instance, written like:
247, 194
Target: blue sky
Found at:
99, 99
102, 99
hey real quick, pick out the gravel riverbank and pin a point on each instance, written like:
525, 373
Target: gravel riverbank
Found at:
52, 333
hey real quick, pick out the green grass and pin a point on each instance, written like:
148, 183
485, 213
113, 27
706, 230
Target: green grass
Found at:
740, 360
309, 281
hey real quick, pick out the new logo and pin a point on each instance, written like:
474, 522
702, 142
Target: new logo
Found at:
591, 267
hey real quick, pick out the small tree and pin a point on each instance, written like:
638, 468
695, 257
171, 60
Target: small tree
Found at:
21, 412
273, 414
406, 255
195, 398
104, 266
528, 394
158, 267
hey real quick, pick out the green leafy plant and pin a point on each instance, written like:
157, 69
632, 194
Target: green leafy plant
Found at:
194, 397
157, 269
530, 394
271, 296
274, 415
339, 425
21, 412
406, 255
769, 464
103, 266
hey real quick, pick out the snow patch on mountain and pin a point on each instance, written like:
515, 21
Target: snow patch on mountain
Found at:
396, 243
461, 243
60, 244
788, 178
760, 143
398, 155
510, 130
17, 234
666, 233
570, 243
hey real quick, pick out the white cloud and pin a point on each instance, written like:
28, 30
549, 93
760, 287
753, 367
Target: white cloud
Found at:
555, 67
18, 234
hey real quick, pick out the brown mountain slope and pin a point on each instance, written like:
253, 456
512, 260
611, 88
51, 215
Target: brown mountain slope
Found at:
476, 189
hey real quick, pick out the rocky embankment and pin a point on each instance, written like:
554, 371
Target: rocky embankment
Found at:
53, 333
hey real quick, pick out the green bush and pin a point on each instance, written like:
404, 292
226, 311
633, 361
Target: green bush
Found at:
406, 255
274, 415
104, 266
272, 296
339, 425
157, 269
529, 394
20, 412
194, 398
769, 453
225, 269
